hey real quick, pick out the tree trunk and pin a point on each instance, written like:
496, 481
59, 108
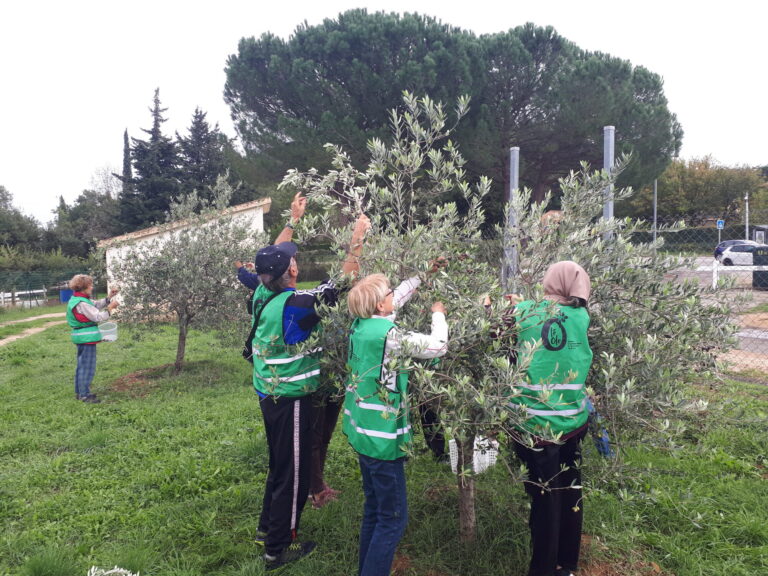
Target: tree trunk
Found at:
183, 326
466, 479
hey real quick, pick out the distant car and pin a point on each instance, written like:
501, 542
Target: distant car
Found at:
740, 254
723, 245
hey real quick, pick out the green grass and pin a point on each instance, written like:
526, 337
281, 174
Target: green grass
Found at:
12, 314
760, 308
12, 329
165, 477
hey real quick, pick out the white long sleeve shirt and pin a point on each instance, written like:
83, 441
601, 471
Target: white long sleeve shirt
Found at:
414, 344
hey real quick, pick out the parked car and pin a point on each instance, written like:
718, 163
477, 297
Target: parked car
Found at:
723, 245
739, 254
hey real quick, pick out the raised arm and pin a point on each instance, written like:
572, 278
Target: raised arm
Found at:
352, 261
298, 206
424, 346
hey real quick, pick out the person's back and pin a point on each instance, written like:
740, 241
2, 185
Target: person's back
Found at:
554, 391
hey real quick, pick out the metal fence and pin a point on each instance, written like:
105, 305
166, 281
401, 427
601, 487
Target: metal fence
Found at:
29, 289
745, 287
739, 278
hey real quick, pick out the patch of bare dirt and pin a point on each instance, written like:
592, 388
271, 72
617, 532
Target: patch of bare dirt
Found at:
140, 383
746, 361
756, 321
592, 563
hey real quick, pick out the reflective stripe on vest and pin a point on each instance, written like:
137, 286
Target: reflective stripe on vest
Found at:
376, 413
82, 332
280, 369
554, 395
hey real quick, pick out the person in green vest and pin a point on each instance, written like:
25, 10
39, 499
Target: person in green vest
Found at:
83, 316
377, 413
286, 373
554, 400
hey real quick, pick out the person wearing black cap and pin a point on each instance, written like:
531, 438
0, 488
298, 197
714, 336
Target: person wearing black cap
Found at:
285, 375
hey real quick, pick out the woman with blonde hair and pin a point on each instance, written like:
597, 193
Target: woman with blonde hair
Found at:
377, 415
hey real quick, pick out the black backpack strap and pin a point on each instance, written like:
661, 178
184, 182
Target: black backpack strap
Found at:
248, 348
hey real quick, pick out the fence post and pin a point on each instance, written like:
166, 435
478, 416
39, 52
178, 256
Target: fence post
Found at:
609, 135
510, 268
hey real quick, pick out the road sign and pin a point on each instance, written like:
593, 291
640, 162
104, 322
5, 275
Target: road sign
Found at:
720, 224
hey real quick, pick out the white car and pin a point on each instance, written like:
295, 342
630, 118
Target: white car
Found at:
739, 254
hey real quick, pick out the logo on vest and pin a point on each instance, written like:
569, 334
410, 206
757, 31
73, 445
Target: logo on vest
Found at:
553, 334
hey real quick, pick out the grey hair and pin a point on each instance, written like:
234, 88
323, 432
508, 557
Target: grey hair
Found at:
277, 284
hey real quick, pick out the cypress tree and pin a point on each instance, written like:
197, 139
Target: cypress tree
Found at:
157, 179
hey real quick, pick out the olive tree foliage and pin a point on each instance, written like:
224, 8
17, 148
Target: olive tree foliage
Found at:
651, 328
399, 190
187, 275
642, 319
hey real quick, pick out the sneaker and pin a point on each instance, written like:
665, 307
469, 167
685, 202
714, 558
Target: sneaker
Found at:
90, 399
260, 538
296, 551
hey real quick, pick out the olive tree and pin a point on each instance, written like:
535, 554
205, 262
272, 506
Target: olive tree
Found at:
641, 317
186, 274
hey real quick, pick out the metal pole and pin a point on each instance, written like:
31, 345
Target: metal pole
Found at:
655, 209
510, 268
609, 136
746, 216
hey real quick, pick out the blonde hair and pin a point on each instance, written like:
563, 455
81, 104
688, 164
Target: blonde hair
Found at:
366, 294
80, 282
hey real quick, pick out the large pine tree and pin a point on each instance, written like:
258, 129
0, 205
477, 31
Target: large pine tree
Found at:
157, 175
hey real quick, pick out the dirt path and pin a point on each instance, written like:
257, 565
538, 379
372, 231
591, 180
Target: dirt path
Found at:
30, 331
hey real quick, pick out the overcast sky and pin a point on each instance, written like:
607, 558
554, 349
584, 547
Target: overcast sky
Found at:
75, 75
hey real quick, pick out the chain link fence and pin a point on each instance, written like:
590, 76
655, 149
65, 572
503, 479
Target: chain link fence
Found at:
738, 276
29, 289
732, 258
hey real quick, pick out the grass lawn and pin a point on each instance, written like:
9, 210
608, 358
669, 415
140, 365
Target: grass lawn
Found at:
165, 477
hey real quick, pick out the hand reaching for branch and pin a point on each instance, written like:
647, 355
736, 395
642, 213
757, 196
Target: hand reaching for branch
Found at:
298, 207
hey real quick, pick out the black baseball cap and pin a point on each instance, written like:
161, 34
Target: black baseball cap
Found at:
275, 258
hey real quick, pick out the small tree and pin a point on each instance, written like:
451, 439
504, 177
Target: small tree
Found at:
402, 190
187, 275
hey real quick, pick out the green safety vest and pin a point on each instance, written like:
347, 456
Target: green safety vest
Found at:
554, 392
280, 369
376, 413
82, 332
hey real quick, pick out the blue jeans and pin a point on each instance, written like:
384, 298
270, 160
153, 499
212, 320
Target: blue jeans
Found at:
385, 513
86, 369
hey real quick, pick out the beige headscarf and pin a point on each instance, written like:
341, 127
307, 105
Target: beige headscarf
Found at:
565, 280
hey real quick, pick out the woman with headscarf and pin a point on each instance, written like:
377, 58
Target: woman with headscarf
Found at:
554, 403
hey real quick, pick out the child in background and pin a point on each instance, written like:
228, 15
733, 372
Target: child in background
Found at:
83, 316
377, 416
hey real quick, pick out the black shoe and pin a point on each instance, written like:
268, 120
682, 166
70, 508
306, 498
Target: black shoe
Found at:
90, 399
295, 551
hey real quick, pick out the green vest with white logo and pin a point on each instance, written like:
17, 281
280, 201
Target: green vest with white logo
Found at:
82, 332
280, 369
553, 393
376, 414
